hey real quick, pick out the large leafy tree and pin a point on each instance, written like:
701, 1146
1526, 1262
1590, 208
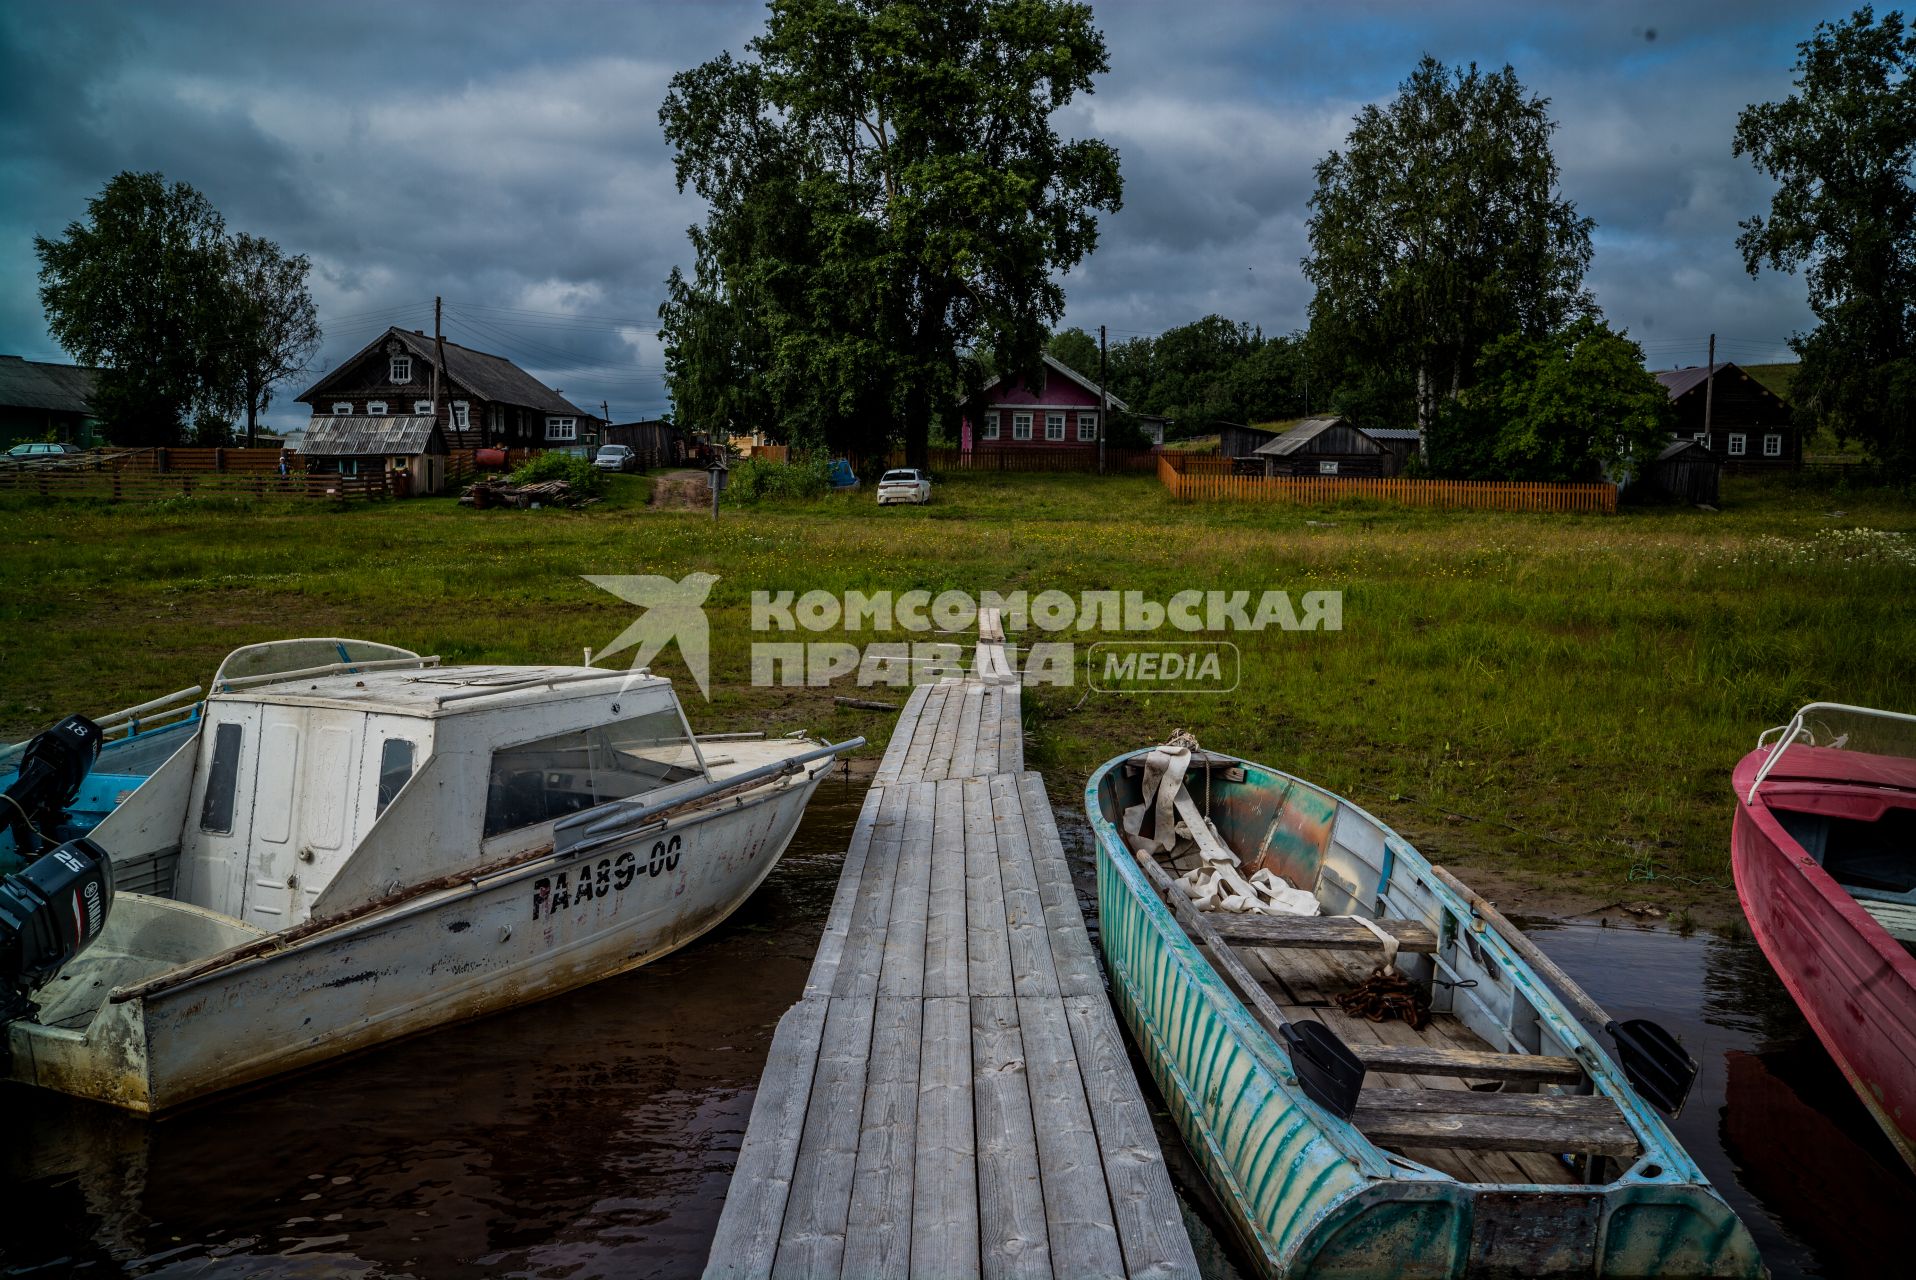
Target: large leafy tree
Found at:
1437, 230
274, 328
887, 194
1841, 149
141, 288
1574, 405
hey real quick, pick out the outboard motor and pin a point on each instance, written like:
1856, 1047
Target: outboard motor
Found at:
49, 914
52, 768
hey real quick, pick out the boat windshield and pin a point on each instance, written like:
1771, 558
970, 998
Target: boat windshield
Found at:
1880, 745
278, 656
569, 773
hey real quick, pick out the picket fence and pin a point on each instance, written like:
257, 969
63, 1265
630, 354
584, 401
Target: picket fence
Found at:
1209, 479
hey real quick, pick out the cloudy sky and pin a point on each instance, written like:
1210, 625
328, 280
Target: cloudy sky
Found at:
508, 156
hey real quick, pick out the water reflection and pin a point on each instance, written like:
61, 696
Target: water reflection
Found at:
587, 1135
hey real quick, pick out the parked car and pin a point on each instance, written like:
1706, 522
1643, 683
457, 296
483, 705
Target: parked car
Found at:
904, 485
42, 452
616, 457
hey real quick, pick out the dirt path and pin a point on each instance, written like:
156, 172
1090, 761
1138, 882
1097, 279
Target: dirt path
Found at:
682, 489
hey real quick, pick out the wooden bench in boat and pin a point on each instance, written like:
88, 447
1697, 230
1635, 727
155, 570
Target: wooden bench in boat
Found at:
1473, 1064
1326, 933
1468, 1120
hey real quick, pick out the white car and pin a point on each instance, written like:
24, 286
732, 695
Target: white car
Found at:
616, 457
903, 486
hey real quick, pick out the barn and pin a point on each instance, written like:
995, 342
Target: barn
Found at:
1684, 471
1324, 447
1750, 427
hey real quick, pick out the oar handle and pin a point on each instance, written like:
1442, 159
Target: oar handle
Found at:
1513, 937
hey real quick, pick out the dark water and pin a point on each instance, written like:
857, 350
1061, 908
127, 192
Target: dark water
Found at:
593, 1135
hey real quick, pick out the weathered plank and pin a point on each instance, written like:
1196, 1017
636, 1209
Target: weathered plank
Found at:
1011, 740
918, 752
878, 1227
1078, 1214
945, 950
984, 752
1472, 1064
863, 955
1032, 970
1071, 954
838, 922
1011, 1217
903, 970
1150, 1225
987, 942
944, 743
1339, 933
812, 1241
901, 735
754, 1211
944, 1220
1495, 1121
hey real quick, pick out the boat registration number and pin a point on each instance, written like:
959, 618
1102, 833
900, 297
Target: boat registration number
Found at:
553, 894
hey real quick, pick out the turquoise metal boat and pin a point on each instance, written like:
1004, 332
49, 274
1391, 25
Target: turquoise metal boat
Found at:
1499, 1139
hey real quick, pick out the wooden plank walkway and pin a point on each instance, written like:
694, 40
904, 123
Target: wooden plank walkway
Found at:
951, 1096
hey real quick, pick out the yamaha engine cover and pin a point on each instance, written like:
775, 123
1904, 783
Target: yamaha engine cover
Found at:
50, 913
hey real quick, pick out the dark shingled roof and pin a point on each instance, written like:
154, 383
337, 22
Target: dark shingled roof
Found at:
1297, 437
352, 437
31, 384
480, 372
1680, 382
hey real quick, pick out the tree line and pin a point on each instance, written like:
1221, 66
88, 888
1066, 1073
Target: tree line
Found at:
891, 209
191, 327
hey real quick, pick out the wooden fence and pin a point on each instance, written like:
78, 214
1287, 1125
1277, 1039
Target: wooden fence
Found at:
1195, 478
133, 485
1050, 458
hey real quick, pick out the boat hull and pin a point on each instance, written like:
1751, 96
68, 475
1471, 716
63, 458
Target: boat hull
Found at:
501, 940
1310, 1196
1854, 984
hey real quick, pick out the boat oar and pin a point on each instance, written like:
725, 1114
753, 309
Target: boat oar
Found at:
1655, 1063
1327, 1071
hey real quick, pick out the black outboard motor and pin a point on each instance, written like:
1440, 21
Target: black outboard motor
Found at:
49, 914
52, 768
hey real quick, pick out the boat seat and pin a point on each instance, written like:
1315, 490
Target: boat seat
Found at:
1473, 1064
1332, 933
1463, 1119
1897, 918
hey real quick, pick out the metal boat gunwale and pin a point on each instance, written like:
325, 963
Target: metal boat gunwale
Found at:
1660, 1147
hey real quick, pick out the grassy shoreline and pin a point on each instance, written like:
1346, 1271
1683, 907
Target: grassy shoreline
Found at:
1553, 701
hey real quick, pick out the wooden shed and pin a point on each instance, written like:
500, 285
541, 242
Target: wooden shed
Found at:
657, 442
1324, 447
1235, 440
410, 446
1685, 471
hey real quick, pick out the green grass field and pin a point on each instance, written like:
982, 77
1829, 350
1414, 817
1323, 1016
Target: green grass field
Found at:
1551, 698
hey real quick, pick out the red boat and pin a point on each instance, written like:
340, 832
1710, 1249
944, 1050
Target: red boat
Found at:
1824, 850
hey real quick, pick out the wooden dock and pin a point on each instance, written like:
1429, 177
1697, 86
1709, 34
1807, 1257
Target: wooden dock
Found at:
951, 1096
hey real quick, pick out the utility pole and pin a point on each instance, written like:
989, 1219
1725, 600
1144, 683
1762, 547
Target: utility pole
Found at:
605, 419
1709, 394
438, 356
1104, 400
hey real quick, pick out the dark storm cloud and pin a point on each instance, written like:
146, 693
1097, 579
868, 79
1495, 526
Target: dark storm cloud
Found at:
508, 157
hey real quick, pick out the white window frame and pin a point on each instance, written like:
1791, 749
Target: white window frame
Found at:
401, 370
562, 429
1739, 444
422, 408
375, 408
1021, 426
342, 408
1087, 428
1054, 426
991, 424
1773, 445
1328, 467
461, 415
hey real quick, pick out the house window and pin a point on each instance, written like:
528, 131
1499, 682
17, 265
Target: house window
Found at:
342, 408
376, 408
1087, 426
1054, 426
1773, 445
991, 424
562, 428
1738, 442
1702, 438
402, 370
422, 407
1327, 468
461, 418
1021, 426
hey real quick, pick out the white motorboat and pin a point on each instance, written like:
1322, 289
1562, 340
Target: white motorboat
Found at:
345, 852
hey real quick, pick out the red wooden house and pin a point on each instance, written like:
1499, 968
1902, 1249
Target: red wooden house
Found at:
1060, 413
